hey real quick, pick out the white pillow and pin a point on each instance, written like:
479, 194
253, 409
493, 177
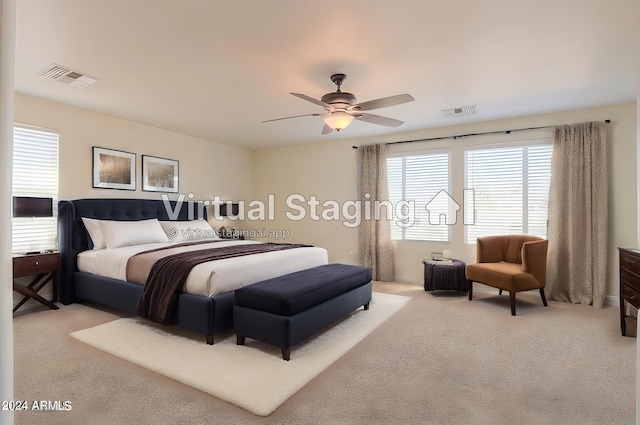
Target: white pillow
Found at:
127, 233
95, 232
185, 231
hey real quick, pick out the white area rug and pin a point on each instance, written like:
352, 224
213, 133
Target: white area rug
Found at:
253, 376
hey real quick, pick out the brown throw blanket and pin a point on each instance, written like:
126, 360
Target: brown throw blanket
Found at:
169, 274
139, 266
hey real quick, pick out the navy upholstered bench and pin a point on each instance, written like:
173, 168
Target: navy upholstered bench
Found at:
288, 309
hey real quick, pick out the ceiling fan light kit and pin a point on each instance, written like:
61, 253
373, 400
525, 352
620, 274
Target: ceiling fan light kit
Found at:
338, 120
342, 108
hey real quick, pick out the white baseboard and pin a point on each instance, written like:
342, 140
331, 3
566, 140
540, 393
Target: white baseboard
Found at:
612, 300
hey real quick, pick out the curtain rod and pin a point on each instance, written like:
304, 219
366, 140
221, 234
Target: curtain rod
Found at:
474, 134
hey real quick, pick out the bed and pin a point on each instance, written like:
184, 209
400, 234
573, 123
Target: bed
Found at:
205, 311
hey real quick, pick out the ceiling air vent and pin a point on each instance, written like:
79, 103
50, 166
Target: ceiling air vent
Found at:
67, 76
461, 111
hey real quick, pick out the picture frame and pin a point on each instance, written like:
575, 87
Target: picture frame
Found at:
113, 169
160, 174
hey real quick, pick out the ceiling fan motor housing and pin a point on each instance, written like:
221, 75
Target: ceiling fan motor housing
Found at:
338, 97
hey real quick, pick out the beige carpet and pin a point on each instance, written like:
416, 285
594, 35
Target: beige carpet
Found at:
254, 376
441, 359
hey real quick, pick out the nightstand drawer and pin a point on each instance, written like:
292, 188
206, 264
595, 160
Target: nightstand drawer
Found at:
34, 264
629, 283
630, 263
629, 279
630, 294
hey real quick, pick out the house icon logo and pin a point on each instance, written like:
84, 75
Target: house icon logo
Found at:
442, 207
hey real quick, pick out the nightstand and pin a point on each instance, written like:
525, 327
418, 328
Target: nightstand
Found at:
44, 267
629, 283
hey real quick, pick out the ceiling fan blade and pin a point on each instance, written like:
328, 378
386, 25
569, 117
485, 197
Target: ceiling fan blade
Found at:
377, 119
326, 129
310, 99
295, 116
383, 102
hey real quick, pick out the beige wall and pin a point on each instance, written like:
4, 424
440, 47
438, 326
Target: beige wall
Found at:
325, 170
7, 73
206, 168
328, 170
638, 220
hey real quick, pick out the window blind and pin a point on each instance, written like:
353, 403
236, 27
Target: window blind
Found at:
511, 190
35, 173
416, 181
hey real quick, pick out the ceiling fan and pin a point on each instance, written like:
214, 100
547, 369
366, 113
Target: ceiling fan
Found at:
342, 108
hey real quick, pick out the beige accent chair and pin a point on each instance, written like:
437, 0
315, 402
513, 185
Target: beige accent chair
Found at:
512, 263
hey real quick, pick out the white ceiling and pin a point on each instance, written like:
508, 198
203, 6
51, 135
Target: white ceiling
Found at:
217, 69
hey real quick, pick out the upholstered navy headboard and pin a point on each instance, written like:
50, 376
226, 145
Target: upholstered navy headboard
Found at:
73, 237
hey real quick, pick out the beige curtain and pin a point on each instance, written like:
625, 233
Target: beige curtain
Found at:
578, 215
374, 235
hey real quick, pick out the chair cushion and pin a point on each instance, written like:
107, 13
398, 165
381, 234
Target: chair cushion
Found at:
507, 276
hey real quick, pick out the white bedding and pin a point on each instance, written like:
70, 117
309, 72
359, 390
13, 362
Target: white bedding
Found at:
213, 277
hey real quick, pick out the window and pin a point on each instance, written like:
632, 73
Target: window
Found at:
510, 187
418, 190
35, 174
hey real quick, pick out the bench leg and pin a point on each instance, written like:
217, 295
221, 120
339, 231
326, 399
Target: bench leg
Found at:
210, 339
286, 354
470, 290
240, 339
366, 306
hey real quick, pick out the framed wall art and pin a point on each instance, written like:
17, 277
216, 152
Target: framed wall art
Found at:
159, 174
113, 169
